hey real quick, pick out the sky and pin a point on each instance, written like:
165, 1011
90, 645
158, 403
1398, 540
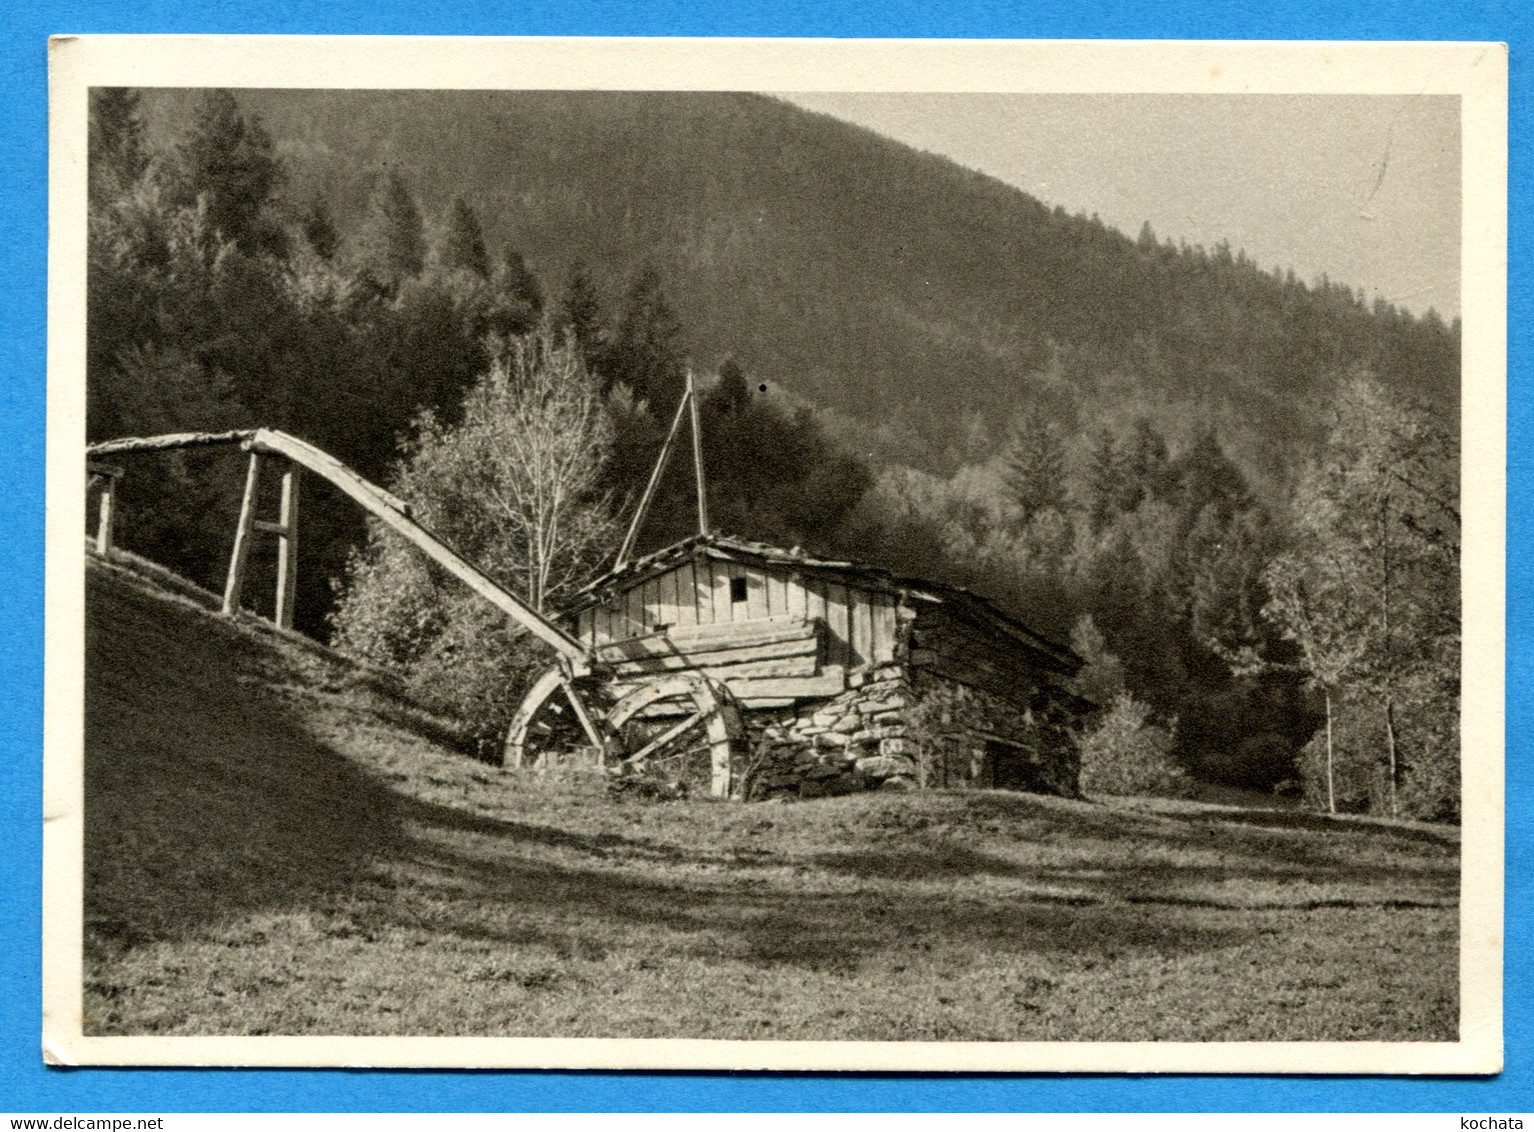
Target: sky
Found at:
1363, 188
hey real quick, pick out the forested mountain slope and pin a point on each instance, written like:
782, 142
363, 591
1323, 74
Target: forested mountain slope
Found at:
893, 286
1235, 493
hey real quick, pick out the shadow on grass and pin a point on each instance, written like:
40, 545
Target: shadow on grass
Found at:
775, 925
1169, 853
203, 796
207, 799
936, 860
1322, 823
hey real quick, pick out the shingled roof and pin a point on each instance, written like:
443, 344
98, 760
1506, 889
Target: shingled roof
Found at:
727, 548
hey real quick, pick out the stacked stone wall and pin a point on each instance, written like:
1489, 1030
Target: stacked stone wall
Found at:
857, 740
958, 732
898, 729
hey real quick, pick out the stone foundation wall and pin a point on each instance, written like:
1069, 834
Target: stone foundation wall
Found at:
855, 741
964, 736
897, 731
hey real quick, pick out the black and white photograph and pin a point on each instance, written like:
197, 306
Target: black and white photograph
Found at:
914, 561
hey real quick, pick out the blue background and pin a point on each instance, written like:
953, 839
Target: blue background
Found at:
26, 1086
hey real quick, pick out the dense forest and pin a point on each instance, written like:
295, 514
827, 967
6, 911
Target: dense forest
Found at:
1234, 492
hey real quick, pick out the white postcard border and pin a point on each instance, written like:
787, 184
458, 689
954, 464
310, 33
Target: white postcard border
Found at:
1477, 73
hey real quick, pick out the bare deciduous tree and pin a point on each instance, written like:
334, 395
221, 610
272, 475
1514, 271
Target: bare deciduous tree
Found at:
514, 485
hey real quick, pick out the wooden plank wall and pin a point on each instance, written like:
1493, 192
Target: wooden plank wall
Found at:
859, 624
962, 652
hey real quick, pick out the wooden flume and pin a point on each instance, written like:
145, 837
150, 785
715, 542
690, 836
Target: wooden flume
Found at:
614, 719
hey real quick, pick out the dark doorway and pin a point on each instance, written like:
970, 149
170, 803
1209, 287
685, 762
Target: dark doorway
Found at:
1011, 767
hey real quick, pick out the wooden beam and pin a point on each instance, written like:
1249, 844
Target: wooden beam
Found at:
104, 476
387, 508
287, 547
839, 650
668, 736
686, 596
777, 594
703, 592
655, 473
707, 638
724, 608
169, 441
697, 455
991, 737
803, 663
881, 628
756, 595
860, 613
829, 682
986, 679
669, 612
804, 645
588, 725
242, 533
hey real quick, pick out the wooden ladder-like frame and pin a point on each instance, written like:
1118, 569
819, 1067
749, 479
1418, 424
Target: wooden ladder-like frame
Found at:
286, 530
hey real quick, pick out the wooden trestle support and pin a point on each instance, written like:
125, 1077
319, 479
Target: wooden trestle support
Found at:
666, 718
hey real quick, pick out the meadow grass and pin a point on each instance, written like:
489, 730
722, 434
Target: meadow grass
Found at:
279, 843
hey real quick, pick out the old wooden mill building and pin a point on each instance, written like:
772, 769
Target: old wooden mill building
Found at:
848, 676
790, 674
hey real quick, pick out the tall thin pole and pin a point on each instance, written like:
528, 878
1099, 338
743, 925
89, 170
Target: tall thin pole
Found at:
1331, 790
655, 473
697, 456
287, 547
242, 535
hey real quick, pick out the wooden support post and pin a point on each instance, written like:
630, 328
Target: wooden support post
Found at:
588, 725
105, 516
242, 535
107, 476
287, 547
697, 455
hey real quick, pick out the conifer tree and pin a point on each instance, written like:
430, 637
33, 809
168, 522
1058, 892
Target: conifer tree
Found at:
320, 231
581, 311
116, 143
1107, 479
731, 394
463, 247
1033, 465
645, 352
1147, 462
394, 237
521, 285
1206, 477
228, 164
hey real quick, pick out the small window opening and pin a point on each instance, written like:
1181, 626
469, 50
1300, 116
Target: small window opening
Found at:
737, 589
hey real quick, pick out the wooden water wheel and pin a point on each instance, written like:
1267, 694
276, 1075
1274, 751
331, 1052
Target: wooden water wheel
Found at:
651, 728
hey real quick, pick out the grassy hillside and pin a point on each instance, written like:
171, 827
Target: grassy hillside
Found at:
278, 842
892, 286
